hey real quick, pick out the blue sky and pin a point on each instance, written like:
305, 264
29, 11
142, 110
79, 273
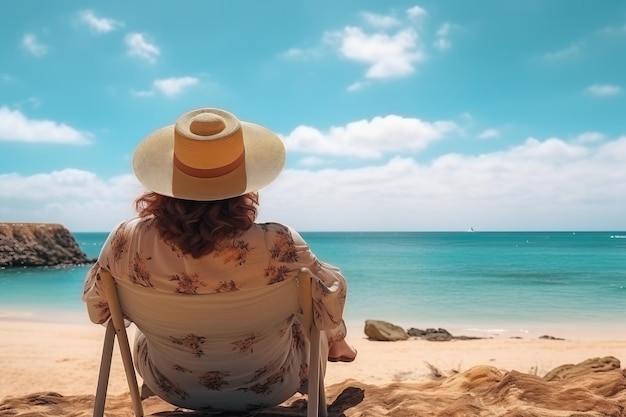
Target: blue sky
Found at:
396, 115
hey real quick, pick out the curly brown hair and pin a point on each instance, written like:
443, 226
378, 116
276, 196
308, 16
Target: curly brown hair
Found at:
196, 227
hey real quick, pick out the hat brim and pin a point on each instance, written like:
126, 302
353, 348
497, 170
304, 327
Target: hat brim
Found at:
153, 165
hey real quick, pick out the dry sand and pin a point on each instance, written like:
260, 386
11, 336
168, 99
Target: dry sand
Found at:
488, 377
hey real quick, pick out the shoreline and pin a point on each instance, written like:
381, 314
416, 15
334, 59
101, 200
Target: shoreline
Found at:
496, 329
567, 331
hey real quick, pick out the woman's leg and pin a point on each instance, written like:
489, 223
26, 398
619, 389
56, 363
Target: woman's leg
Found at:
338, 349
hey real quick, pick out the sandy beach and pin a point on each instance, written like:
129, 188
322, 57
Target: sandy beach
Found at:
64, 359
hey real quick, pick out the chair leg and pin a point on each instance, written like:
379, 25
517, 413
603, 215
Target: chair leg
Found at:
105, 370
117, 318
316, 406
131, 377
322, 407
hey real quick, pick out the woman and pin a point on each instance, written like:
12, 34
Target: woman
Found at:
196, 234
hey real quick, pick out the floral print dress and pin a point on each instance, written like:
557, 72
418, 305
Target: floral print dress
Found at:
191, 368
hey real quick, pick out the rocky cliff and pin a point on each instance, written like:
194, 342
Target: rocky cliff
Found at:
38, 244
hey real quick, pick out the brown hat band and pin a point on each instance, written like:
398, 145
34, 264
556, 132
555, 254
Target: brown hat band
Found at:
209, 172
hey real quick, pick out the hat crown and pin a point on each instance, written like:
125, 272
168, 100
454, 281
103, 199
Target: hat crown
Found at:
208, 143
207, 124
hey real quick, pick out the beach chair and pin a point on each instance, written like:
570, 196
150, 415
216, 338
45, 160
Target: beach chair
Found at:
298, 289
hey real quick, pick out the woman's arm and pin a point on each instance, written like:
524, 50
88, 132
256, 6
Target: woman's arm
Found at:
329, 286
94, 297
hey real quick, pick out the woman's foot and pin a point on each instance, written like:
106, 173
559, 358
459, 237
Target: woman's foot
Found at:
340, 351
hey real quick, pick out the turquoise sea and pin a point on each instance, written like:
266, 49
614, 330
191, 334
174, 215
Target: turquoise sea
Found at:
476, 283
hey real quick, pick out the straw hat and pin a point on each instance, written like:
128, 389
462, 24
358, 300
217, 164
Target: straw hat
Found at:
208, 155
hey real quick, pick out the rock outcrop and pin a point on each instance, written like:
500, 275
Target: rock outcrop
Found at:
384, 331
38, 244
437, 335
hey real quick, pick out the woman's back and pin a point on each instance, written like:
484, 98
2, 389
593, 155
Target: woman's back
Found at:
224, 350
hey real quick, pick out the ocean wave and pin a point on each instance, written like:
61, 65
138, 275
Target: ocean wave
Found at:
16, 315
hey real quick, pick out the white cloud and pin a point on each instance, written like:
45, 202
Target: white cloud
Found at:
174, 86
31, 102
387, 56
614, 30
312, 161
442, 44
303, 54
142, 93
604, 90
569, 52
539, 185
169, 87
140, 47
416, 12
293, 53
389, 45
368, 138
614, 151
379, 20
466, 116
357, 86
33, 46
589, 137
66, 183
98, 24
16, 127
75, 198
444, 30
550, 148
442, 40
489, 134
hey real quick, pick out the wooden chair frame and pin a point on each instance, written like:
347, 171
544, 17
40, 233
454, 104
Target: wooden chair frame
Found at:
316, 406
